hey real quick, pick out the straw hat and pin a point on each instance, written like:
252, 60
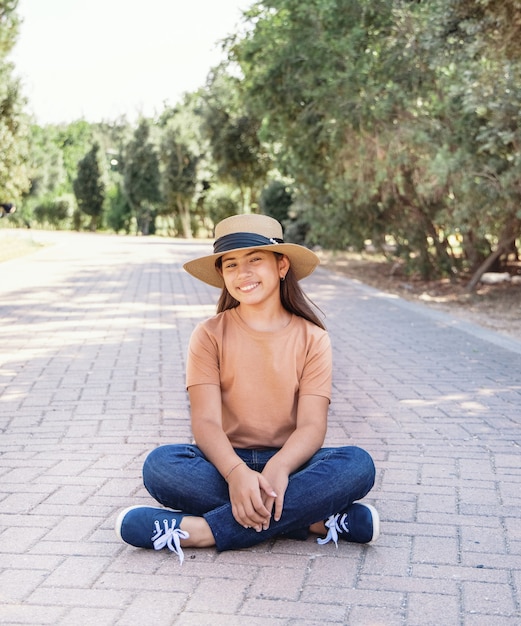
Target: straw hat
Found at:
250, 231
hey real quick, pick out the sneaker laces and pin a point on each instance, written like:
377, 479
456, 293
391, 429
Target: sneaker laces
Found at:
170, 537
335, 524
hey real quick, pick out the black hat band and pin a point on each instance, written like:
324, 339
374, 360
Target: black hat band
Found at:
242, 240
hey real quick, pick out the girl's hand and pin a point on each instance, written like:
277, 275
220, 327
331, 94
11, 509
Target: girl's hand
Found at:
279, 479
248, 492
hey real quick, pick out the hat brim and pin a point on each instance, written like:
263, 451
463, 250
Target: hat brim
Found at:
302, 261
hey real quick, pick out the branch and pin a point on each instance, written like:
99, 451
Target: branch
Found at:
510, 234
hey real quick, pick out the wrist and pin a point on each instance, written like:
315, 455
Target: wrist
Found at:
278, 466
233, 468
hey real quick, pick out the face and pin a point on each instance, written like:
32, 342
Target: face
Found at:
253, 276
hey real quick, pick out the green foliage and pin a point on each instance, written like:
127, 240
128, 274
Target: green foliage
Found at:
46, 163
221, 202
89, 186
386, 120
179, 179
392, 118
233, 133
119, 212
74, 140
14, 179
9, 24
494, 23
13, 126
54, 212
141, 177
276, 200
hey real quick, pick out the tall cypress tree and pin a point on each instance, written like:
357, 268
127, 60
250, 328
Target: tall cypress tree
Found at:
179, 179
89, 186
141, 177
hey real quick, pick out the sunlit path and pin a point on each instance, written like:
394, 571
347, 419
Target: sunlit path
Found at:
92, 348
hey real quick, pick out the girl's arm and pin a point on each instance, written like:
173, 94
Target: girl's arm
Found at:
205, 406
245, 485
306, 439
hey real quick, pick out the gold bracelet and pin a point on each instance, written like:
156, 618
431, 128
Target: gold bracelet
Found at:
234, 467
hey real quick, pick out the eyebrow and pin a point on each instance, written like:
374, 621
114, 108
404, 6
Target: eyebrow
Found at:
226, 258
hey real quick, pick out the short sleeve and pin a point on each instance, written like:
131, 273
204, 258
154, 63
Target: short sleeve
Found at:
202, 366
318, 368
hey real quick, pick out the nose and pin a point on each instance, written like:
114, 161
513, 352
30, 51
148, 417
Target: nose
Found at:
243, 267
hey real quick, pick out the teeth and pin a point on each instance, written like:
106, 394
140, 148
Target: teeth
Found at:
248, 287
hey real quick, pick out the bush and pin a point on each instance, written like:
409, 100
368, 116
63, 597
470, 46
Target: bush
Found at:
220, 203
55, 212
276, 200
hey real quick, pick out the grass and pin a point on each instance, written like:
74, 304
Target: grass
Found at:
12, 246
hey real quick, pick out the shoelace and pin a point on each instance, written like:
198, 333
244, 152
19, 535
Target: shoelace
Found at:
171, 538
335, 524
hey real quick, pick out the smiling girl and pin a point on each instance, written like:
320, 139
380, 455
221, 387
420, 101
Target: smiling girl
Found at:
259, 377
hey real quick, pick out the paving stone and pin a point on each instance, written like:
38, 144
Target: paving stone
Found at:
92, 358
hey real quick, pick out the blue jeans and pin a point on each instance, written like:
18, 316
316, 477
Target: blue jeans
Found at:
179, 477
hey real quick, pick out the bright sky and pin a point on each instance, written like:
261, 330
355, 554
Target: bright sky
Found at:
100, 59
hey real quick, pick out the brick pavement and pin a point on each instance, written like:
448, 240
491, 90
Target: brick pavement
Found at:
92, 342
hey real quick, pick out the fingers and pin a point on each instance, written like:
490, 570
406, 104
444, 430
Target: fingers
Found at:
269, 497
266, 487
275, 496
252, 514
248, 506
279, 503
254, 499
275, 505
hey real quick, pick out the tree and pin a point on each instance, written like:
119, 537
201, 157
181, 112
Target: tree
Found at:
119, 213
393, 119
14, 179
74, 140
113, 138
179, 180
141, 177
482, 41
46, 163
89, 186
53, 212
233, 133
187, 169
314, 75
276, 200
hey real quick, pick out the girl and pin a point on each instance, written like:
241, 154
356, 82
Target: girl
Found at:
259, 382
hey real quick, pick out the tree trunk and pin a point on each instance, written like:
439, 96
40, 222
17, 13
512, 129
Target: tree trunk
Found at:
186, 222
510, 234
146, 220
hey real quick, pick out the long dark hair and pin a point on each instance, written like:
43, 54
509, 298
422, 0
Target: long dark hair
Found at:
292, 298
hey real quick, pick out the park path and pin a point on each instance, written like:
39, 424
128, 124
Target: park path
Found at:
93, 336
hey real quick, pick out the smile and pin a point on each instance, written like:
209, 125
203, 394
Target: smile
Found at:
248, 287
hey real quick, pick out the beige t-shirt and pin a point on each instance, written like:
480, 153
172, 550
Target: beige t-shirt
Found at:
261, 374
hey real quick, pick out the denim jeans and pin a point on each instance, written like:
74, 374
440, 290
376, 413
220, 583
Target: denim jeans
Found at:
179, 477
